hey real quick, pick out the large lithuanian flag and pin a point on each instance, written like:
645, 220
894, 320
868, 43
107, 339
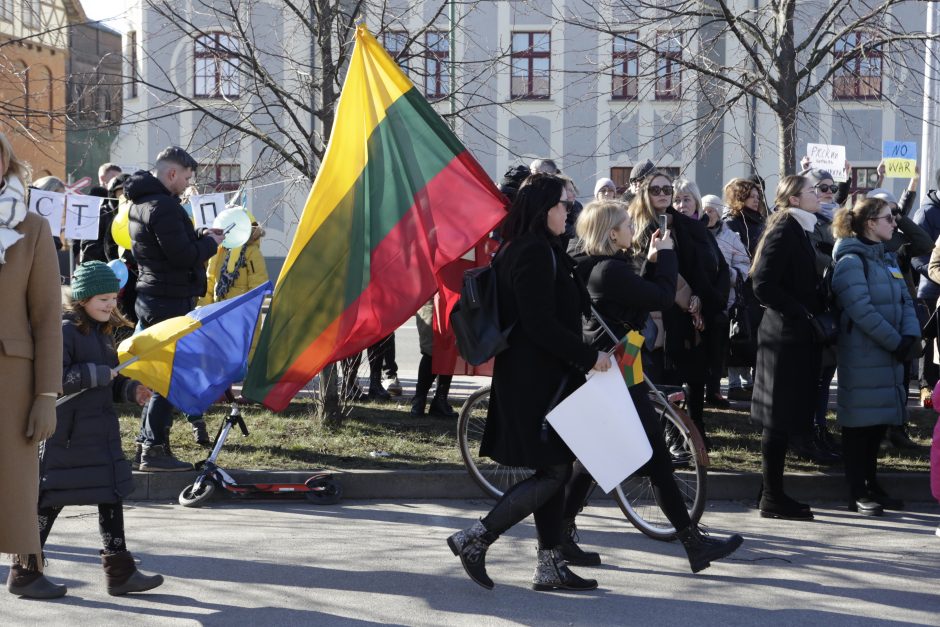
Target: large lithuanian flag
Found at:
396, 198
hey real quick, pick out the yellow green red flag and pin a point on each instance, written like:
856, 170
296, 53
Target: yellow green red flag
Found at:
396, 198
628, 354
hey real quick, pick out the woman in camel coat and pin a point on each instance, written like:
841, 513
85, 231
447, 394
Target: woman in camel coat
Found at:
30, 356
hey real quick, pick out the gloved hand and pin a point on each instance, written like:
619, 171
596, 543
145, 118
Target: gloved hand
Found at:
41, 423
903, 352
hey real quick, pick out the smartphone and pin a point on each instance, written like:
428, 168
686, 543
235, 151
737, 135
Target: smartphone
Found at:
663, 224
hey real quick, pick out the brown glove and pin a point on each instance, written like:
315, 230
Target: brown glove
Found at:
41, 423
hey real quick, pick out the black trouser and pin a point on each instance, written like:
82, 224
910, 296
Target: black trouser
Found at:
716, 352
692, 366
542, 495
822, 394
110, 525
659, 469
929, 371
860, 454
773, 448
384, 351
426, 380
157, 415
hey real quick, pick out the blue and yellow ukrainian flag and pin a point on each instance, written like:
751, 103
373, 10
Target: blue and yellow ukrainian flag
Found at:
191, 360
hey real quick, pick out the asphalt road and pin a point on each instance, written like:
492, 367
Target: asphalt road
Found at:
369, 562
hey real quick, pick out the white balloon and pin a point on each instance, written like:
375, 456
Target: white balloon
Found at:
236, 224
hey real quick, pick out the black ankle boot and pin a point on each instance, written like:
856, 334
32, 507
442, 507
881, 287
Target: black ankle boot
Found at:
440, 408
470, 546
703, 550
880, 496
552, 573
782, 506
418, 403
570, 550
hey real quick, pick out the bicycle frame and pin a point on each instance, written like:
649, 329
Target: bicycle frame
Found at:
682, 418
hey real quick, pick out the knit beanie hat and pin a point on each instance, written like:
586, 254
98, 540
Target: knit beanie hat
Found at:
93, 278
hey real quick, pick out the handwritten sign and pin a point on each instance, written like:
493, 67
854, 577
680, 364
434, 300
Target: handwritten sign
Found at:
81, 216
206, 208
828, 157
50, 205
900, 159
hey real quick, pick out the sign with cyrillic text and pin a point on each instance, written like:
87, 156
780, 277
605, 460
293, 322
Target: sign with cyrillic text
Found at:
828, 157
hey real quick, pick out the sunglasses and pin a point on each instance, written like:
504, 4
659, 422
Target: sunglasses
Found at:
825, 188
664, 190
889, 217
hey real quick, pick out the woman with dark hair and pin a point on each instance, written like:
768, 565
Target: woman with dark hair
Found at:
545, 361
788, 352
624, 300
879, 332
747, 216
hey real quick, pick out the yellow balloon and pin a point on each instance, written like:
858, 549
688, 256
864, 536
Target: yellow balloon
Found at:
120, 227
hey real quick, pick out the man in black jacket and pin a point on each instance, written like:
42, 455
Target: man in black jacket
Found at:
171, 257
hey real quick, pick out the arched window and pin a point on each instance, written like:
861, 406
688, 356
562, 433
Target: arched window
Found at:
48, 84
216, 64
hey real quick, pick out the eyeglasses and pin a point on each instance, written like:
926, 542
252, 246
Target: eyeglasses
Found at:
826, 188
657, 190
889, 217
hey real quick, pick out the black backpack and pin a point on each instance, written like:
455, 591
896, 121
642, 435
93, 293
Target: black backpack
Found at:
475, 317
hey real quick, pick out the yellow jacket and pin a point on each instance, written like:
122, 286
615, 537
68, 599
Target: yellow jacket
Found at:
253, 274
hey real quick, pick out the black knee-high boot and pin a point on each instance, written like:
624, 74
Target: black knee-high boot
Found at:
774, 503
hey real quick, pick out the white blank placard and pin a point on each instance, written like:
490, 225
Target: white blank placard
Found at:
600, 424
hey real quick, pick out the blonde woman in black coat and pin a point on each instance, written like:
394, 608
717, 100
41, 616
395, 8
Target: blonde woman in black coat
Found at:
546, 360
788, 352
624, 300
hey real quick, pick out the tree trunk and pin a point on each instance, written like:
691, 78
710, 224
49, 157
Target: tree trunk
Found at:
786, 136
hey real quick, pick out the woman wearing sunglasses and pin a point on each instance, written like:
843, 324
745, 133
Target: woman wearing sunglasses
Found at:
702, 267
785, 281
879, 332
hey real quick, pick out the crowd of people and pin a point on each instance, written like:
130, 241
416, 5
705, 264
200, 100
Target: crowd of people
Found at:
779, 297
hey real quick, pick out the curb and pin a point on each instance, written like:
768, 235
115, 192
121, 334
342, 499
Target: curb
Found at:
457, 484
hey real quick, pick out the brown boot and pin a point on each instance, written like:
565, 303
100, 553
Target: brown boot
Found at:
32, 584
123, 577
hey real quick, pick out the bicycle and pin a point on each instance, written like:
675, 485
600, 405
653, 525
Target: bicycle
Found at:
634, 495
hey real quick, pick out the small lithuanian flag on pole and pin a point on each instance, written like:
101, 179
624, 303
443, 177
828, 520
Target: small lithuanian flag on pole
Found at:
627, 354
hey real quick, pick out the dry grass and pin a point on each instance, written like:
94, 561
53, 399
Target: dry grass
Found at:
295, 439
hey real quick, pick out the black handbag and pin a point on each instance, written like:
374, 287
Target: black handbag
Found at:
825, 328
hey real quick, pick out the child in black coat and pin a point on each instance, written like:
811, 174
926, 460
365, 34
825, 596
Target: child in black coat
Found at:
83, 463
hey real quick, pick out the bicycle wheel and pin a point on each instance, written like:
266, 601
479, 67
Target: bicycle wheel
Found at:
635, 494
492, 477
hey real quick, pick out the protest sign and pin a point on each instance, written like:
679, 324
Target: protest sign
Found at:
206, 207
900, 158
601, 426
828, 157
81, 216
49, 205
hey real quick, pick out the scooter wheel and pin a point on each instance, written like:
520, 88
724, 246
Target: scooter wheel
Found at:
324, 492
191, 498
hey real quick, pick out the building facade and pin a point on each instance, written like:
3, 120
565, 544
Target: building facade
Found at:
93, 97
33, 70
517, 81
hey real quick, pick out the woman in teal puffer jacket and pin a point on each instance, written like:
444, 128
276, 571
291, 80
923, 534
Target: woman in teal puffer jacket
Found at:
878, 331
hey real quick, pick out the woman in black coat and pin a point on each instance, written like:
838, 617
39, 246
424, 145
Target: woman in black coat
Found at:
704, 268
624, 300
788, 354
546, 360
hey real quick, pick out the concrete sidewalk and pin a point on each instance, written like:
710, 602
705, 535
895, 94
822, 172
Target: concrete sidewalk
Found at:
373, 563
450, 484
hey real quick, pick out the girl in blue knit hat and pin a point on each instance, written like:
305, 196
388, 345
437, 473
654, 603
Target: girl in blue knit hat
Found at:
83, 463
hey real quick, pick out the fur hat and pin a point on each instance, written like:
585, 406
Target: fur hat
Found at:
93, 278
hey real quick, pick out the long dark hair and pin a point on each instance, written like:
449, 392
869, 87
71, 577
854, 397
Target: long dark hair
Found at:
85, 324
529, 211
